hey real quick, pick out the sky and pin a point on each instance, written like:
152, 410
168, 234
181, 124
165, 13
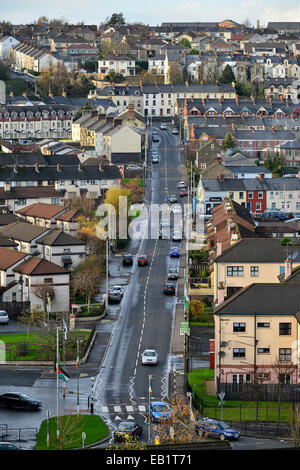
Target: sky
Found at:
152, 12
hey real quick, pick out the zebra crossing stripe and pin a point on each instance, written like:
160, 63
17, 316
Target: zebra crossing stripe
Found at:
141, 407
117, 409
104, 409
129, 408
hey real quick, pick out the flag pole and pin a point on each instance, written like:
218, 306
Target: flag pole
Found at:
149, 405
57, 361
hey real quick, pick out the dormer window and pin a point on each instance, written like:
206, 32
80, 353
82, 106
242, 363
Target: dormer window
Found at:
14, 115
38, 114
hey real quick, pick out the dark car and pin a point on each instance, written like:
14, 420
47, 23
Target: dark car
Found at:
143, 260
274, 216
173, 273
169, 289
210, 427
174, 252
9, 446
182, 192
114, 296
19, 400
126, 430
127, 260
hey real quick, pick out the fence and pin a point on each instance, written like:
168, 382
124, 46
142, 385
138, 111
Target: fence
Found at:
17, 434
14, 309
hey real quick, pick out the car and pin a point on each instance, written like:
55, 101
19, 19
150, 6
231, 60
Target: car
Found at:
155, 159
9, 446
182, 192
274, 215
114, 296
19, 400
143, 260
150, 357
118, 289
126, 430
163, 127
154, 152
176, 236
127, 260
173, 273
172, 198
181, 184
164, 233
174, 252
159, 411
133, 167
155, 138
295, 219
4, 317
165, 223
211, 427
169, 289
175, 131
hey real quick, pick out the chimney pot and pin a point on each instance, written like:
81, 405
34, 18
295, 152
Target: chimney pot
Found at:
288, 268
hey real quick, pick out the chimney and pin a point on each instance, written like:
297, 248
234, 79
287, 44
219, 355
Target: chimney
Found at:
50, 94
219, 248
221, 177
58, 167
233, 126
287, 103
64, 94
261, 177
221, 292
101, 166
11, 94
15, 168
131, 109
37, 167
281, 98
79, 167
7, 187
288, 268
24, 94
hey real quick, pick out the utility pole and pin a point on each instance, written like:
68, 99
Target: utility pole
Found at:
150, 377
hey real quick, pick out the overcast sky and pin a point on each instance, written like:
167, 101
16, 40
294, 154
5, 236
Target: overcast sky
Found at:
151, 12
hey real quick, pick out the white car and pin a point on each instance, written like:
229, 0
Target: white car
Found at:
3, 317
175, 131
181, 184
118, 289
133, 167
163, 127
150, 357
176, 236
155, 159
176, 209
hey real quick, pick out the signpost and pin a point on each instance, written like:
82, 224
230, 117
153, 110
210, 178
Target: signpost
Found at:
221, 395
184, 328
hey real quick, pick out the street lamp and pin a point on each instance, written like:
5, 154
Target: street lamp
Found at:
78, 340
92, 395
21, 282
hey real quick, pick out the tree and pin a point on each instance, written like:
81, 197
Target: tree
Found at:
113, 197
116, 19
227, 75
4, 70
135, 186
283, 371
44, 292
86, 278
114, 77
32, 319
228, 142
194, 52
295, 427
175, 73
185, 42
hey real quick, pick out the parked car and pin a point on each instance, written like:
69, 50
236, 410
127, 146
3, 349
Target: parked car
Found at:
182, 192
211, 427
143, 260
4, 317
155, 152
127, 260
155, 159
173, 273
126, 430
163, 127
150, 357
164, 233
273, 215
175, 131
159, 411
9, 446
19, 400
181, 184
114, 296
169, 289
134, 167
172, 198
176, 209
118, 289
174, 252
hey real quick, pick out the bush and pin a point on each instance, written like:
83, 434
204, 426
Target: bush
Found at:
196, 309
22, 349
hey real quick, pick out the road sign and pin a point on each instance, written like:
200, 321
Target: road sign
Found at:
185, 325
221, 395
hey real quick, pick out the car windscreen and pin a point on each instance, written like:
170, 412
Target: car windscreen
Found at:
223, 426
160, 408
149, 353
125, 427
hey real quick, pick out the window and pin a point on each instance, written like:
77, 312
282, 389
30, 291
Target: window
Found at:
260, 195
284, 379
241, 195
230, 195
285, 354
239, 352
263, 325
285, 329
48, 280
263, 350
254, 271
258, 206
235, 270
239, 327
250, 195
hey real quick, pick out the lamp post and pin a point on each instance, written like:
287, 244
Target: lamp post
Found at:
78, 340
150, 377
21, 282
92, 395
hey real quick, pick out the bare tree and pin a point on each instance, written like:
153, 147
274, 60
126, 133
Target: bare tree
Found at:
283, 371
44, 292
295, 427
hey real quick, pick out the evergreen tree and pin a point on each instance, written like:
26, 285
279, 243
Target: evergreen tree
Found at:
227, 75
116, 19
228, 142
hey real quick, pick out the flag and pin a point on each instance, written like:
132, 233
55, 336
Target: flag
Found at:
150, 387
77, 360
186, 299
62, 374
65, 329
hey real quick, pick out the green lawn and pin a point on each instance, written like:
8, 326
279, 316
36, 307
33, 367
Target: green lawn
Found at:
71, 430
36, 345
235, 410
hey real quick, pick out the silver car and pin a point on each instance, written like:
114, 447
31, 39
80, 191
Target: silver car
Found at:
150, 357
3, 317
176, 236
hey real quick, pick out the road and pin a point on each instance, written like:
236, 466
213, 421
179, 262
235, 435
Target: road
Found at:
146, 316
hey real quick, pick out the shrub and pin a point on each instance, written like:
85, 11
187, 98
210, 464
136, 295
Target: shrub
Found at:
22, 349
196, 309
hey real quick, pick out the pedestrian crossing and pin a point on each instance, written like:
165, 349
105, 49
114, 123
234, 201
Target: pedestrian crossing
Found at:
124, 410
